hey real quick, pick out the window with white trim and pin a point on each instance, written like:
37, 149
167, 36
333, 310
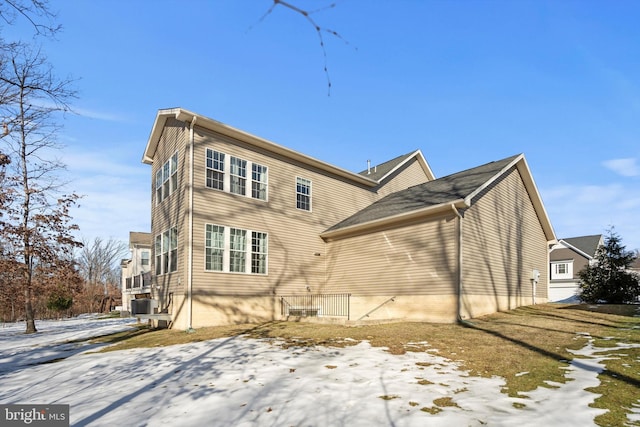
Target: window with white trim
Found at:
258, 252
167, 178
144, 258
228, 249
215, 169
303, 194
214, 247
258, 181
561, 270
235, 180
238, 176
166, 249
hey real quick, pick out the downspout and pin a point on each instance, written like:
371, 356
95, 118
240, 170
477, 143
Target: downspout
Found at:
190, 232
459, 263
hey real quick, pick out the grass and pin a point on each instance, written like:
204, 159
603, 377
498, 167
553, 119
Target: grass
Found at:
526, 346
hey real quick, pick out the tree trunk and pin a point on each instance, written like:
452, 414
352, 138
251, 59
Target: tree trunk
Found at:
28, 311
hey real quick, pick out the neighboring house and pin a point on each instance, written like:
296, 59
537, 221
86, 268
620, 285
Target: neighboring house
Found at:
566, 259
245, 230
136, 271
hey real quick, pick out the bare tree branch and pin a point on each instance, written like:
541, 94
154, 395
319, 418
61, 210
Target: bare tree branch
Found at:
319, 29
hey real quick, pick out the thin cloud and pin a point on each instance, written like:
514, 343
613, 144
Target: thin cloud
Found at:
579, 210
99, 115
624, 167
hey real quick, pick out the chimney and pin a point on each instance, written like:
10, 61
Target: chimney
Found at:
368, 167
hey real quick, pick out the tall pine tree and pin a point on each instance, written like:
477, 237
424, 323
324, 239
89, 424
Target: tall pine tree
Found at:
609, 279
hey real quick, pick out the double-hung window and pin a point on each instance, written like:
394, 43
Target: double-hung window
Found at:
231, 173
258, 181
258, 252
214, 247
229, 250
166, 249
238, 172
303, 194
237, 250
215, 169
167, 178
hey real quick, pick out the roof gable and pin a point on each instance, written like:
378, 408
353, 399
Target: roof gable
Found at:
384, 170
450, 192
194, 119
585, 245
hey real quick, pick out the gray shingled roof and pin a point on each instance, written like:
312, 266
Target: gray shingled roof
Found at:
442, 190
379, 171
587, 244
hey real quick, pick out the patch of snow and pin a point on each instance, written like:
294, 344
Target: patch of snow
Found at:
249, 382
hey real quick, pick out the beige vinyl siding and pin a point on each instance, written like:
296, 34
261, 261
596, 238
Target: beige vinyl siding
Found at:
503, 241
418, 259
409, 175
293, 234
170, 212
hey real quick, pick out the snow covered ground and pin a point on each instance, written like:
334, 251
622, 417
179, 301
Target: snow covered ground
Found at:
248, 382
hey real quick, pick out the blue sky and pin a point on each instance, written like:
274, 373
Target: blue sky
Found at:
466, 82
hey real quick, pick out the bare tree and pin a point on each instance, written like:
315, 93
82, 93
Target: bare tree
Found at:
36, 12
36, 221
99, 263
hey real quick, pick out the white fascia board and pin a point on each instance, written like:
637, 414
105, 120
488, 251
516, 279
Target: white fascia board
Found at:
423, 164
219, 127
376, 224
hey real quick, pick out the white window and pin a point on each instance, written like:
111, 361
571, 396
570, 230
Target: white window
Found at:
561, 270
258, 252
166, 248
228, 249
303, 194
230, 174
258, 181
238, 177
215, 169
144, 258
167, 178
214, 247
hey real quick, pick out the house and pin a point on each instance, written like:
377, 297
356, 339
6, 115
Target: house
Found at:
136, 271
246, 230
566, 258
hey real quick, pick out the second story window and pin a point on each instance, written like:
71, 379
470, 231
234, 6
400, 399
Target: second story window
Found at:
230, 174
167, 178
238, 177
144, 258
258, 181
303, 194
561, 270
215, 169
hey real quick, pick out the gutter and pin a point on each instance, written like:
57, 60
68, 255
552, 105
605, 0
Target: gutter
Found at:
459, 256
373, 225
190, 232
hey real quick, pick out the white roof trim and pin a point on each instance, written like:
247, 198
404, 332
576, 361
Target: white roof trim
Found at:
420, 158
219, 127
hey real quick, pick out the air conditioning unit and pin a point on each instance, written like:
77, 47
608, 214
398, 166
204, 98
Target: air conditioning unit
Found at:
143, 306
